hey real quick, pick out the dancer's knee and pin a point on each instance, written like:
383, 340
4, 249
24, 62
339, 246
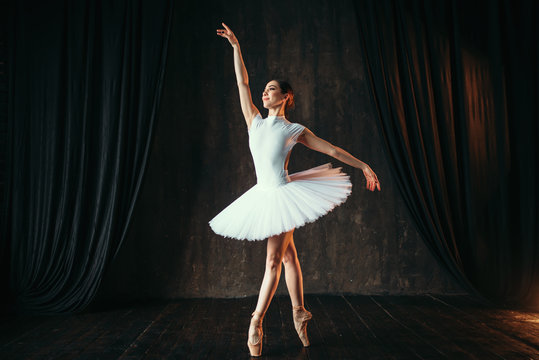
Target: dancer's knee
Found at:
290, 257
273, 261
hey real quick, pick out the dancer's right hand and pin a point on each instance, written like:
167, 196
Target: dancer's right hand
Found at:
228, 34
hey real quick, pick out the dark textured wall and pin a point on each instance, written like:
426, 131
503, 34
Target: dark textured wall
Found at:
200, 162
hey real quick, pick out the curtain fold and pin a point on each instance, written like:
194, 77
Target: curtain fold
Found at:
456, 87
85, 85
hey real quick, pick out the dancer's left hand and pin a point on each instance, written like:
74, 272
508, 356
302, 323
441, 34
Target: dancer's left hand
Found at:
372, 179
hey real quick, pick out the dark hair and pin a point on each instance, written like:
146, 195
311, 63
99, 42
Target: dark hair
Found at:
287, 89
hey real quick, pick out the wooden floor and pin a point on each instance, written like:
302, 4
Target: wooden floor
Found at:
343, 327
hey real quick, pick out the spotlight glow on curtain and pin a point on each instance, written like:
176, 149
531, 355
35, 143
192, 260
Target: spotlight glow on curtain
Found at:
456, 86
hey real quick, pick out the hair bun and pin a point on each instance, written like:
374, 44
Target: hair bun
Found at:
287, 89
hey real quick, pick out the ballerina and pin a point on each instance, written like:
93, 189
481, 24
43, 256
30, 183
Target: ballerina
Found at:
280, 202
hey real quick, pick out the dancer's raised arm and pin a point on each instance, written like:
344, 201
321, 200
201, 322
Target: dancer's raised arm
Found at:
247, 107
313, 142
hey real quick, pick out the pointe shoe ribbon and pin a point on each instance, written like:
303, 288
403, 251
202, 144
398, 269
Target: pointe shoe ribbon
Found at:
301, 318
254, 339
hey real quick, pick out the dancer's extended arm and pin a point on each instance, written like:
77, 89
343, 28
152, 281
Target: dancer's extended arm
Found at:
312, 141
247, 107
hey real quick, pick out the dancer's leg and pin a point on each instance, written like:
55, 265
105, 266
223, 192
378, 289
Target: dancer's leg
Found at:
293, 275
275, 251
294, 282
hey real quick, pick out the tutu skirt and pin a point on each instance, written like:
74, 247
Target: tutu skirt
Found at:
264, 211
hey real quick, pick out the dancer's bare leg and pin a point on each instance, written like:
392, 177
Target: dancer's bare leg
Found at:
294, 282
293, 275
276, 248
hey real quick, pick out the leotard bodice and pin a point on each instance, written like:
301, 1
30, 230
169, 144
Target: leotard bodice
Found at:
270, 141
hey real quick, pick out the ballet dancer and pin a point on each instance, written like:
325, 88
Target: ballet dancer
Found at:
280, 202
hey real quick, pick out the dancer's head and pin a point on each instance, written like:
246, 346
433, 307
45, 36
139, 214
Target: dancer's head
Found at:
278, 93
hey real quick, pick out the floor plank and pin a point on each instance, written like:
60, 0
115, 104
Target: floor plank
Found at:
498, 340
395, 338
426, 327
180, 321
354, 332
521, 325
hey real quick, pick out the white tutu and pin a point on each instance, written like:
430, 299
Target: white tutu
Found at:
265, 210
280, 202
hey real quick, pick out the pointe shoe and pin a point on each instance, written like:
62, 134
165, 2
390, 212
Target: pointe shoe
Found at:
254, 339
301, 318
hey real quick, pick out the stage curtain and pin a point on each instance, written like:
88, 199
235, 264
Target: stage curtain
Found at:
456, 88
84, 91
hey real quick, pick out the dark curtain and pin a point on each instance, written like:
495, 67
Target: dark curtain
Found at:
85, 84
456, 87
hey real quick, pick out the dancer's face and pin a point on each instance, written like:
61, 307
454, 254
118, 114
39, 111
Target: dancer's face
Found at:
272, 95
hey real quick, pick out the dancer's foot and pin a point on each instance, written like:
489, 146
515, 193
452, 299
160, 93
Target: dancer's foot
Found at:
301, 318
254, 339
